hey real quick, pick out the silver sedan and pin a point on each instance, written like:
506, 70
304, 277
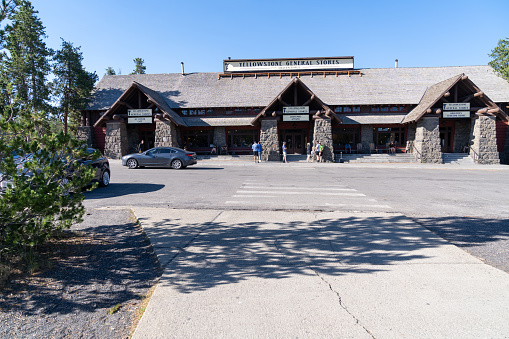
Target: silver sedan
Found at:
173, 157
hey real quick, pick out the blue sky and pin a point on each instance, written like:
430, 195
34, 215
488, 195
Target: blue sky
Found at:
203, 33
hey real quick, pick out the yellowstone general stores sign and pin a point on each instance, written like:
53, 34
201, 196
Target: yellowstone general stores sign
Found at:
309, 64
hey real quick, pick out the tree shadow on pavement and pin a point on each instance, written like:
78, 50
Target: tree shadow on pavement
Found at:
122, 189
203, 256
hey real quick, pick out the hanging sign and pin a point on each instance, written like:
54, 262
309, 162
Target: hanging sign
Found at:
139, 116
139, 120
456, 114
297, 117
296, 110
139, 112
456, 106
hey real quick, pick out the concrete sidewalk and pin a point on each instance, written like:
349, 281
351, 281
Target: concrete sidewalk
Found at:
331, 274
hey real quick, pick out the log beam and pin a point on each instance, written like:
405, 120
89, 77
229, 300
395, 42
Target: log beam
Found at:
125, 104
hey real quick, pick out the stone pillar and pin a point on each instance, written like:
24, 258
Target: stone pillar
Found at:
85, 133
323, 134
116, 144
219, 137
427, 141
166, 134
461, 135
484, 140
410, 138
366, 137
269, 139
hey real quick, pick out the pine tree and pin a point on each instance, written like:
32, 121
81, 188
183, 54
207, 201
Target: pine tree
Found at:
139, 67
110, 71
72, 84
500, 56
26, 65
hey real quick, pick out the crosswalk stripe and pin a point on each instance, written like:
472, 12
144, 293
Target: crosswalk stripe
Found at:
300, 188
346, 194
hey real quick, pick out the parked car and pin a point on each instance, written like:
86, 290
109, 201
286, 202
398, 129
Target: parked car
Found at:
103, 172
101, 164
173, 157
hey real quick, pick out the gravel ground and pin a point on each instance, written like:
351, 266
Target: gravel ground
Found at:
111, 263
484, 238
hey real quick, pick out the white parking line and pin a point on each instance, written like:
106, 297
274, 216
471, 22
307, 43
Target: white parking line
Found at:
303, 193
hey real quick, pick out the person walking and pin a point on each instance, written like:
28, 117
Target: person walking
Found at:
260, 149
308, 152
284, 151
255, 151
321, 153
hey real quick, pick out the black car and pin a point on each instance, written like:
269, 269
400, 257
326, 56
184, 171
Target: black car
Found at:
103, 172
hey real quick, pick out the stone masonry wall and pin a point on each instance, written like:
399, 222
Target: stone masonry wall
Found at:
166, 134
410, 138
461, 135
484, 140
270, 141
427, 141
116, 144
366, 137
323, 134
85, 133
219, 136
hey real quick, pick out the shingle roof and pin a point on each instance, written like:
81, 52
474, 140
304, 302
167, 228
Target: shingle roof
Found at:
375, 86
431, 96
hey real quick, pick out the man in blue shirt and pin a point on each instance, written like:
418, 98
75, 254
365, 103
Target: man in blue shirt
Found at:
255, 151
260, 152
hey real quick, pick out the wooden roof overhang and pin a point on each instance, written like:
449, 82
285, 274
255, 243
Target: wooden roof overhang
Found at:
296, 93
456, 89
138, 96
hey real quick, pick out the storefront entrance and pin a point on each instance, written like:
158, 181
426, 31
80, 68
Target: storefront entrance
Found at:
446, 139
295, 140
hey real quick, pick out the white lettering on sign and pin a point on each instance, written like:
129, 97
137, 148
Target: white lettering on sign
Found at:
296, 110
139, 120
139, 112
299, 117
456, 114
456, 106
287, 64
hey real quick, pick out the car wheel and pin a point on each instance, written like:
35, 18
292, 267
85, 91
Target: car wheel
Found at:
105, 179
132, 163
177, 164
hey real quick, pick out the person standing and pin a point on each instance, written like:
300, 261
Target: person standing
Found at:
317, 151
321, 153
141, 146
260, 149
284, 151
255, 151
308, 152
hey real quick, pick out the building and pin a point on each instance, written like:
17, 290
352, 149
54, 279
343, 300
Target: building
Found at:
423, 111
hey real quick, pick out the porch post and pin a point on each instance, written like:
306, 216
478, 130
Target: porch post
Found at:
323, 133
366, 137
269, 139
116, 143
483, 148
219, 137
427, 141
166, 134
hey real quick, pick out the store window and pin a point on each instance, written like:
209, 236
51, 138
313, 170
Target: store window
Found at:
343, 136
242, 137
197, 138
184, 112
386, 135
